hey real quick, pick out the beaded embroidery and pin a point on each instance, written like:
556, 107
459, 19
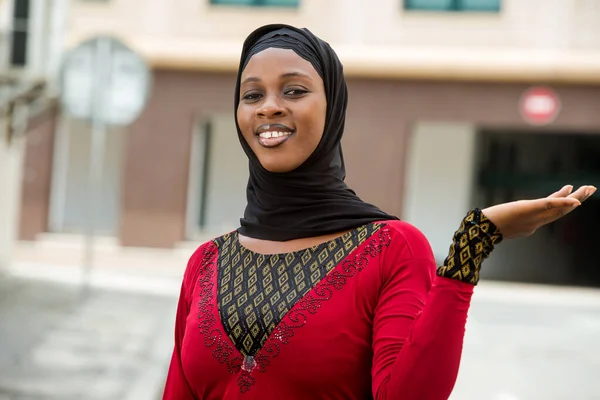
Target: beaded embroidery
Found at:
295, 318
213, 337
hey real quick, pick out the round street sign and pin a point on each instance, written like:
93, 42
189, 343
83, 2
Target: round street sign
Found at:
539, 105
105, 81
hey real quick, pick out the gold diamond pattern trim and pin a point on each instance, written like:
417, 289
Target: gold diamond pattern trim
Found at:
473, 242
256, 291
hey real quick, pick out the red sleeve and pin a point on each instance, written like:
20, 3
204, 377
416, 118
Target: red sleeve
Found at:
419, 326
177, 386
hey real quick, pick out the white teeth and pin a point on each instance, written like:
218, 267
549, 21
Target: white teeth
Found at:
269, 135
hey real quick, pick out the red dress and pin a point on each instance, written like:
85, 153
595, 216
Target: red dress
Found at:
378, 324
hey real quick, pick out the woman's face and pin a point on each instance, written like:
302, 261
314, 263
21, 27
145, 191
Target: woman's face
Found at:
282, 108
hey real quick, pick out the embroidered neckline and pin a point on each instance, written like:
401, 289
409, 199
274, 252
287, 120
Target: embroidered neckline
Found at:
255, 291
224, 351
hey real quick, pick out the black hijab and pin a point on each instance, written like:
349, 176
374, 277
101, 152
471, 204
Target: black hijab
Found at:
313, 199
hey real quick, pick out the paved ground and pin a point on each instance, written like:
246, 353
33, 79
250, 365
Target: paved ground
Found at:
523, 342
57, 344
542, 345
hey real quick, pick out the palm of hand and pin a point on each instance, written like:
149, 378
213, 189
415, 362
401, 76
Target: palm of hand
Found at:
522, 218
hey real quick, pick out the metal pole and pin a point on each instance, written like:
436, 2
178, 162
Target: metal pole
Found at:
102, 63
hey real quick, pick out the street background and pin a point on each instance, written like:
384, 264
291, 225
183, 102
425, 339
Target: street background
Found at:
119, 156
57, 342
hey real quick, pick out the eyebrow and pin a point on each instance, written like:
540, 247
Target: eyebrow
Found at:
286, 75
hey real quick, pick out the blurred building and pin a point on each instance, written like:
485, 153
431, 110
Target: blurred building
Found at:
30, 47
441, 118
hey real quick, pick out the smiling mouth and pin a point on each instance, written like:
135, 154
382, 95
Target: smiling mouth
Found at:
274, 135
273, 139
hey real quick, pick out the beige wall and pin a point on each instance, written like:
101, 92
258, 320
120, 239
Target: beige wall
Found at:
521, 24
439, 179
528, 41
11, 159
528, 24
181, 20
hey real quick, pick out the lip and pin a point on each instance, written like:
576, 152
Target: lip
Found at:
272, 128
270, 143
273, 142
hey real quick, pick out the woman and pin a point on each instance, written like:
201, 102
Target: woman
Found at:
319, 295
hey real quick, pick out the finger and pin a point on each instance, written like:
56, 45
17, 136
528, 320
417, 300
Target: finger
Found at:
563, 192
589, 193
583, 193
557, 203
558, 209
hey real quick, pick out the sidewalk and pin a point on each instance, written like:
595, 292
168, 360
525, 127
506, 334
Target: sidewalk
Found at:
141, 270
112, 341
57, 343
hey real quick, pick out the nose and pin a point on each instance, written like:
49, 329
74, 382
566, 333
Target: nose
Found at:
270, 108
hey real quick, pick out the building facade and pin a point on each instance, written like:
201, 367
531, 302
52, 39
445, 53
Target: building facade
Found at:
436, 121
30, 47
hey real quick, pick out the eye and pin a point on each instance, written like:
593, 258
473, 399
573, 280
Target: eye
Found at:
251, 96
296, 92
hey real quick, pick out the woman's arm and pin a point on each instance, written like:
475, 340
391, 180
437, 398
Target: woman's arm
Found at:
177, 386
420, 319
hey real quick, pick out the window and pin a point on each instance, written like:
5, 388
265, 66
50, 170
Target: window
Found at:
258, 3
453, 5
19, 37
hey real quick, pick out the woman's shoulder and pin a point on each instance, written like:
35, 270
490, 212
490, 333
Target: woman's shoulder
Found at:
408, 239
205, 254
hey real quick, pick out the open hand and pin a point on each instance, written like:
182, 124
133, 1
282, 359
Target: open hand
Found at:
522, 218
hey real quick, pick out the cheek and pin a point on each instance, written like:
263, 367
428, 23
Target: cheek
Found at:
315, 122
244, 122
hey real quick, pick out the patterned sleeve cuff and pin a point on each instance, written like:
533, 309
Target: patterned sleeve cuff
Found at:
472, 243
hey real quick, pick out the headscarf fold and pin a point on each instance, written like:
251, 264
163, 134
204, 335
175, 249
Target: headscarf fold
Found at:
313, 199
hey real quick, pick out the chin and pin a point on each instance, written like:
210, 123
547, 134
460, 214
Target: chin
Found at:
277, 169
277, 165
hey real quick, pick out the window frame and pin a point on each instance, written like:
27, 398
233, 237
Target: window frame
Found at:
257, 4
455, 9
18, 55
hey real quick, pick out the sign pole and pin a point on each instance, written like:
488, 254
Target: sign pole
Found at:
107, 84
102, 58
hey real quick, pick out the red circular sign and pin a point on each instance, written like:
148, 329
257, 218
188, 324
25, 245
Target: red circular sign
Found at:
539, 105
